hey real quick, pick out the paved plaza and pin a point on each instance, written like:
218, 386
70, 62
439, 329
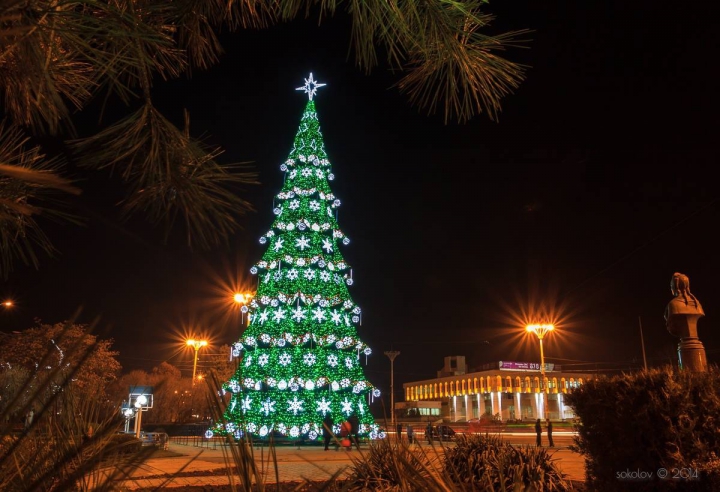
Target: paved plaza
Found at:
203, 466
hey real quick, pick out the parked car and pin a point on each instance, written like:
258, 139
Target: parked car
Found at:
159, 439
440, 433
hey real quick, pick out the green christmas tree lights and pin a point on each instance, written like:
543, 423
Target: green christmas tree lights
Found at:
301, 355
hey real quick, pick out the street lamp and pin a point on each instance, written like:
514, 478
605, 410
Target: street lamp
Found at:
392, 354
540, 331
197, 345
243, 300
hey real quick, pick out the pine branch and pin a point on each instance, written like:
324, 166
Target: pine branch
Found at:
436, 44
170, 175
29, 185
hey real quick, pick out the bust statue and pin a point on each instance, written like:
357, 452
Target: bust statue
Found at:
683, 311
681, 316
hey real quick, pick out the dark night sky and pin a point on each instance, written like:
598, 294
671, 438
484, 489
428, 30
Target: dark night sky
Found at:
596, 184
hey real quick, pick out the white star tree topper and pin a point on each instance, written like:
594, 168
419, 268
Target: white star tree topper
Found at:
311, 86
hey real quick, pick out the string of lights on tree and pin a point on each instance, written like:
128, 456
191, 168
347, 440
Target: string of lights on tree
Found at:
301, 355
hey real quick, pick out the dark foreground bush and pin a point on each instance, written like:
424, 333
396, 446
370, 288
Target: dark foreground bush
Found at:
488, 463
393, 465
125, 444
635, 428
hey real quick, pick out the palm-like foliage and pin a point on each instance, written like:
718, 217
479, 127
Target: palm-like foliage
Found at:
58, 55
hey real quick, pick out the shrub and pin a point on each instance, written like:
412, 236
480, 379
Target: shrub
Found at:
646, 421
489, 463
124, 444
393, 465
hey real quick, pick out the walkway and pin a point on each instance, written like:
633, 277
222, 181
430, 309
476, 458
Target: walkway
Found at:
205, 466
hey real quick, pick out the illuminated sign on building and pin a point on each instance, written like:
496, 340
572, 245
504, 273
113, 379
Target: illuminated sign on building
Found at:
505, 365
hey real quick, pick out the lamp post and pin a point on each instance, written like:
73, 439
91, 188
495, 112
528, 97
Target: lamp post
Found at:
540, 331
392, 354
139, 403
197, 345
242, 299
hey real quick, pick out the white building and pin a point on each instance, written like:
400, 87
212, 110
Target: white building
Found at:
504, 390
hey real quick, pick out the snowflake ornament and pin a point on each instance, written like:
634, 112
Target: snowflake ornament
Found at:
284, 359
323, 406
302, 242
268, 406
295, 405
279, 315
327, 246
245, 404
319, 314
298, 314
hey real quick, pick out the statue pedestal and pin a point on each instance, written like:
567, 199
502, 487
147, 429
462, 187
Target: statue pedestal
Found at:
691, 355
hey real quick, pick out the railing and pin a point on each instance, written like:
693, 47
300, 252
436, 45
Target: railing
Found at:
217, 442
199, 441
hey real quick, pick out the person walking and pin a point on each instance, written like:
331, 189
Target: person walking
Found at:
549, 431
354, 429
399, 431
538, 431
428, 433
410, 433
327, 429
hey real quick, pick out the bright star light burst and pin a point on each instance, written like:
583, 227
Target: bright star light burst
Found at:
310, 87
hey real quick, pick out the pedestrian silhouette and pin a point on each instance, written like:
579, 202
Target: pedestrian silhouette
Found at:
354, 429
538, 431
549, 431
327, 429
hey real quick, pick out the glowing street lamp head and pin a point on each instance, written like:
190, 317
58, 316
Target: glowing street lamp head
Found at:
196, 344
540, 329
8, 304
241, 298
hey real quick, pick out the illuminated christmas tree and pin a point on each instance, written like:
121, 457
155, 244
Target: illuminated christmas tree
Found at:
301, 354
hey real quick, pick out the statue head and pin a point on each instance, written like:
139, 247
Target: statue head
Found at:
680, 288
679, 284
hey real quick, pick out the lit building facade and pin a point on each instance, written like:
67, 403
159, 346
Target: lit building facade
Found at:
502, 390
